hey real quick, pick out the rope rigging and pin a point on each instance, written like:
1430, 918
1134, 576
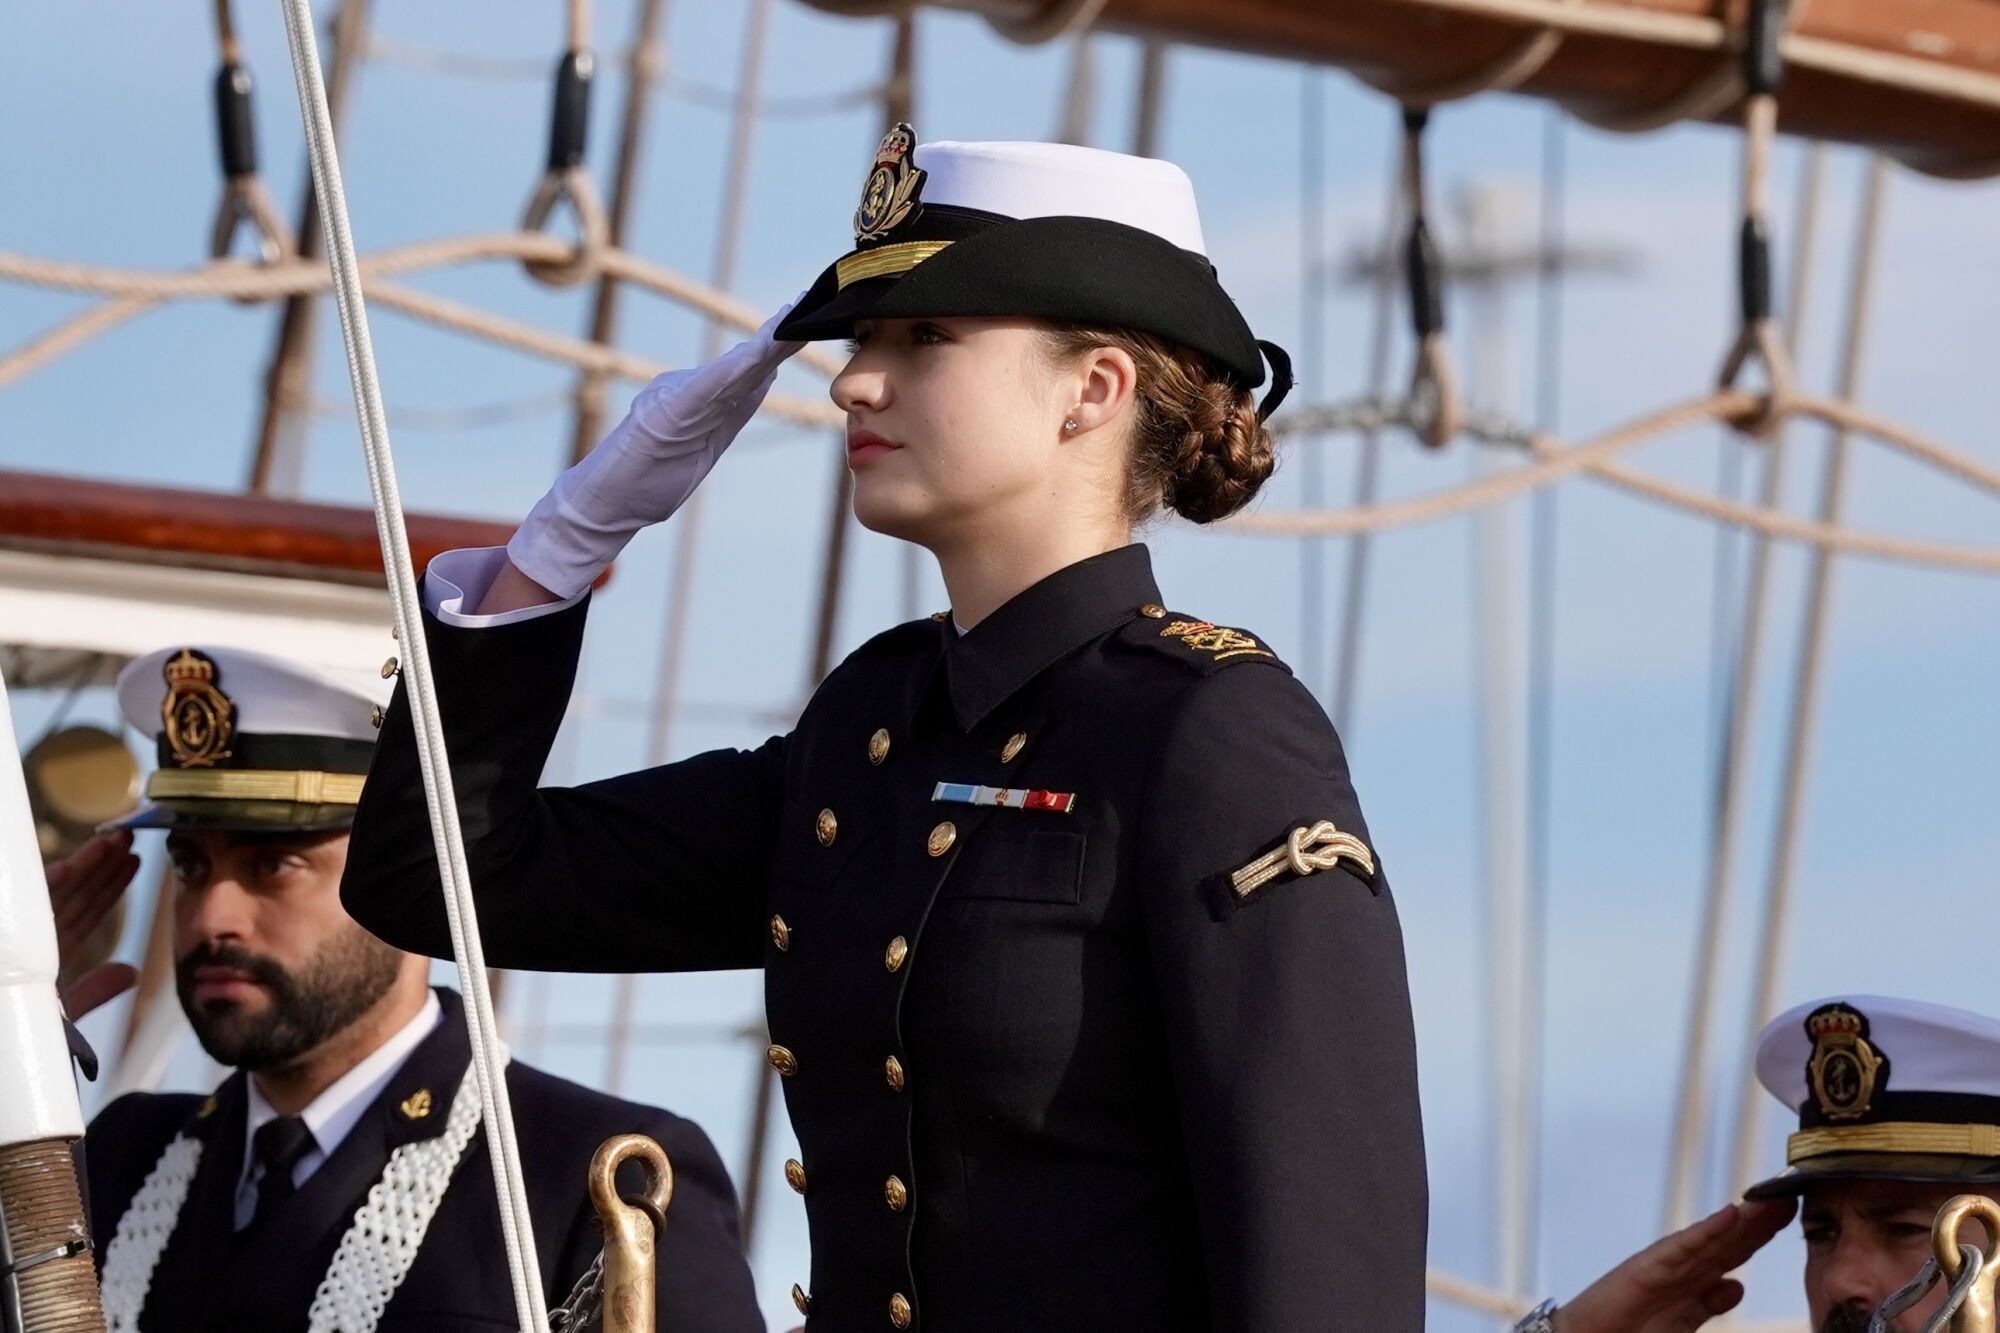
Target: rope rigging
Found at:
488, 1056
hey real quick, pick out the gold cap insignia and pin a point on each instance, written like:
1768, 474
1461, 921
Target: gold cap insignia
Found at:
1845, 1070
199, 720
417, 1105
889, 198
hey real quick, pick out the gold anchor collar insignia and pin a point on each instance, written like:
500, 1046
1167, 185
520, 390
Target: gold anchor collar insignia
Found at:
889, 198
1845, 1070
198, 719
417, 1105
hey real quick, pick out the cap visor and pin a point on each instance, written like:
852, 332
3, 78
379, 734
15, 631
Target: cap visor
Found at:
834, 317
1939, 1168
236, 816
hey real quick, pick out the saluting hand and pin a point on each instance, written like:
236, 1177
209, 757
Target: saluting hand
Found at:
1677, 1284
677, 428
83, 888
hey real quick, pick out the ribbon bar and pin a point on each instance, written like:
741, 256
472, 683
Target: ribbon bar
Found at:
1018, 798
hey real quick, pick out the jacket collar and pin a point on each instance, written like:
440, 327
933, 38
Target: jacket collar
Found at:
416, 1100
1042, 625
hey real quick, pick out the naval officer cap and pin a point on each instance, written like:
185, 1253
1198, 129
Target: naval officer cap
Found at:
1884, 1090
1036, 230
248, 741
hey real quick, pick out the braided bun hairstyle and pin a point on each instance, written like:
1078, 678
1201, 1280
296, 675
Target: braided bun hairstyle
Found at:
1198, 446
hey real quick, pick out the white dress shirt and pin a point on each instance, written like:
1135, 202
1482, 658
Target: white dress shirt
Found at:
336, 1110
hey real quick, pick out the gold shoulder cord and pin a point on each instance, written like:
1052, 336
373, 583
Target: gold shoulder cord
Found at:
1306, 849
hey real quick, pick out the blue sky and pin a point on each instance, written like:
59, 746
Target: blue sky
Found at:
110, 158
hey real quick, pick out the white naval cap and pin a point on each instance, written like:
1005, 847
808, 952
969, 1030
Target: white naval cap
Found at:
250, 740
1884, 1088
1045, 180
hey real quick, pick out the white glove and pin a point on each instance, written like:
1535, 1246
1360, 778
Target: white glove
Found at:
645, 468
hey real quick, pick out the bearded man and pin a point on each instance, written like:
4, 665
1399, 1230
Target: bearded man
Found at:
338, 1177
1899, 1112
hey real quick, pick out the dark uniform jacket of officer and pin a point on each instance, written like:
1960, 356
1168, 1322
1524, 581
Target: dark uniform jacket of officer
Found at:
1046, 1070
212, 1279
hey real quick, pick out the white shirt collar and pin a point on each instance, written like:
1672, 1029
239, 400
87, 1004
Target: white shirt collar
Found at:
340, 1106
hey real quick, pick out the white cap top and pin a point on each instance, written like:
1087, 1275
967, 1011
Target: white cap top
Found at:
1039, 180
272, 696
1928, 1047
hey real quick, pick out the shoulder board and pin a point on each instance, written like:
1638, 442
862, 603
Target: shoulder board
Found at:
1199, 644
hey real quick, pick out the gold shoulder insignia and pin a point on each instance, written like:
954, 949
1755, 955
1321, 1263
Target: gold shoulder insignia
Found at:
207, 1109
1306, 849
417, 1105
1211, 638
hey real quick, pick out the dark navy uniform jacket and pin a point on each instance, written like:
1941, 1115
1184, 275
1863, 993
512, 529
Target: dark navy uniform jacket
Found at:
1046, 1069
211, 1279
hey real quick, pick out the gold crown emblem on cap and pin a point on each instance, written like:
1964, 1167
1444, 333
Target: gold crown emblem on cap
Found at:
1845, 1069
889, 197
198, 719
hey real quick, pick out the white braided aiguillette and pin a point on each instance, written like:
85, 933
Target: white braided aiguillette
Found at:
143, 1232
388, 1229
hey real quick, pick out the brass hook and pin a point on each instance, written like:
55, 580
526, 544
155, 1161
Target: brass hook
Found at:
631, 1245
1978, 1312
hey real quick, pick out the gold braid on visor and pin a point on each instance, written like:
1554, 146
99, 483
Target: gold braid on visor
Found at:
884, 261
242, 784
1894, 1137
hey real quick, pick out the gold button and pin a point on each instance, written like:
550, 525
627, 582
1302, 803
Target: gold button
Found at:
800, 1299
1154, 610
893, 956
375, 717
389, 668
782, 1060
795, 1174
899, 1310
827, 827
896, 1194
942, 837
893, 1069
878, 746
781, 934
1013, 746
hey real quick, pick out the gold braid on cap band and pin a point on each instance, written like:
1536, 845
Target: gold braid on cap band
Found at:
242, 784
884, 261
1894, 1136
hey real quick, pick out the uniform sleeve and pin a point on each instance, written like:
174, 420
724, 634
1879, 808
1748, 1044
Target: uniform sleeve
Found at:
660, 870
1288, 1016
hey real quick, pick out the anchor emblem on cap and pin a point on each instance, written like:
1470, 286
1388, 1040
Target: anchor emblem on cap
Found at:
197, 718
1845, 1069
889, 198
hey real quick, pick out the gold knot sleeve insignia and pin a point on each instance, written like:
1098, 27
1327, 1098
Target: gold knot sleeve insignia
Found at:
1223, 643
1306, 850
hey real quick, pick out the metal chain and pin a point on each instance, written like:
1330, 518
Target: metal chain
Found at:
585, 1302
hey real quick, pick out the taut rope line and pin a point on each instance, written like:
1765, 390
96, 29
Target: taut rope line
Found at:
488, 1059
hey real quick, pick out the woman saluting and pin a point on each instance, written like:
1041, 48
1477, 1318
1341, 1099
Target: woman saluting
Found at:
1086, 989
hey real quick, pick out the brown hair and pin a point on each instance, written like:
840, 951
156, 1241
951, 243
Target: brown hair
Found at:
1198, 446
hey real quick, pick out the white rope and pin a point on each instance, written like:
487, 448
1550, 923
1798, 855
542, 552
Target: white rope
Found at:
488, 1060
143, 1232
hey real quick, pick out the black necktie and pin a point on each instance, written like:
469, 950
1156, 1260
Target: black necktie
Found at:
278, 1145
